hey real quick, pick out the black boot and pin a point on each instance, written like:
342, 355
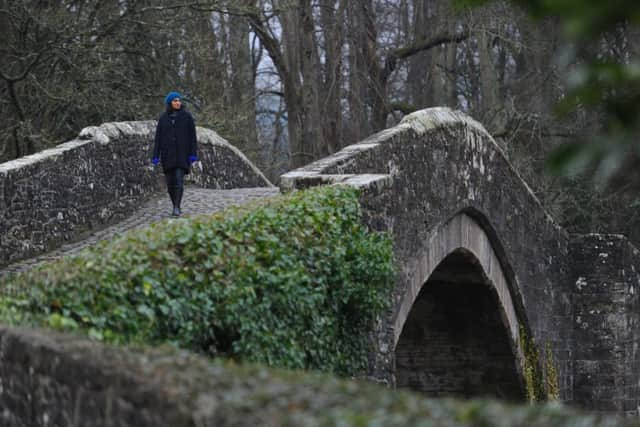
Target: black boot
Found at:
172, 195
176, 205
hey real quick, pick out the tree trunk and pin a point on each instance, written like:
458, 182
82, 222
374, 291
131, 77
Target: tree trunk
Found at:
242, 86
358, 39
330, 106
490, 104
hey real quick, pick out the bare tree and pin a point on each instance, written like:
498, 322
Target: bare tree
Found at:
66, 64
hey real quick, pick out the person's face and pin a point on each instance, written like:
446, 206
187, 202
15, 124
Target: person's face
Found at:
176, 103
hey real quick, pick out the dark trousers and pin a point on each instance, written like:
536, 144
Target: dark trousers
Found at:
175, 185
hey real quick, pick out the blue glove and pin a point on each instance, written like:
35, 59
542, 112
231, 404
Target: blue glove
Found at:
155, 161
193, 159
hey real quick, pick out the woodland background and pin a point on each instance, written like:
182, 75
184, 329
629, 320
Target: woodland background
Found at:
290, 81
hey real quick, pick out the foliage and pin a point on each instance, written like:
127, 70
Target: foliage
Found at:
608, 85
278, 284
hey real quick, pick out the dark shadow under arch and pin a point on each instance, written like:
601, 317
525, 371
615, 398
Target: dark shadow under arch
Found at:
455, 341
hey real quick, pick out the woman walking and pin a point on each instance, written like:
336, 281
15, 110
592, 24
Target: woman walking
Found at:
175, 146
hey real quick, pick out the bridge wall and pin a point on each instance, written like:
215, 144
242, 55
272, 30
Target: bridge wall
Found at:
57, 195
50, 379
606, 305
577, 294
440, 163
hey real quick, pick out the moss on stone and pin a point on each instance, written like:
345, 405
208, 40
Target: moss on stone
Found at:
540, 374
189, 390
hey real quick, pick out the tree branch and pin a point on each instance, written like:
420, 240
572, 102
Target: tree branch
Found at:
391, 61
15, 99
269, 43
26, 70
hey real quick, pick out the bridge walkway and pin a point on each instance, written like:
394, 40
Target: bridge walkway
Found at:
196, 201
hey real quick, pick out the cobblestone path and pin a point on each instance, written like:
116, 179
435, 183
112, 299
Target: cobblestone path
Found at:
196, 201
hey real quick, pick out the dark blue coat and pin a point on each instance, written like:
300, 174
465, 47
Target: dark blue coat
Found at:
175, 140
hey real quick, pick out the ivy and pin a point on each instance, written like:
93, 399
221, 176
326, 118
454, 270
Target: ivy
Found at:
295, 282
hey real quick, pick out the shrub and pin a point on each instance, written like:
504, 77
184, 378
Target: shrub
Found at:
295, 282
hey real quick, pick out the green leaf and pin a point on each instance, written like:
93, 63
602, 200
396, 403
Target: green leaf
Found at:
278, 283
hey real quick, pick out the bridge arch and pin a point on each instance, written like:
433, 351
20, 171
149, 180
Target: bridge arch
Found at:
457, 328
438, 163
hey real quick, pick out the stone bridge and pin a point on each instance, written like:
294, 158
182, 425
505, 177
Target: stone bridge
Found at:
485, 273
59, 200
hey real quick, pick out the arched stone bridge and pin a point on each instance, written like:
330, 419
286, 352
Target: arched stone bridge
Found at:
484, 270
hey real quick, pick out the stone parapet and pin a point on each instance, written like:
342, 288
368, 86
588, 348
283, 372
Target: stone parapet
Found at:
222, 166
53, 379
57, 195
